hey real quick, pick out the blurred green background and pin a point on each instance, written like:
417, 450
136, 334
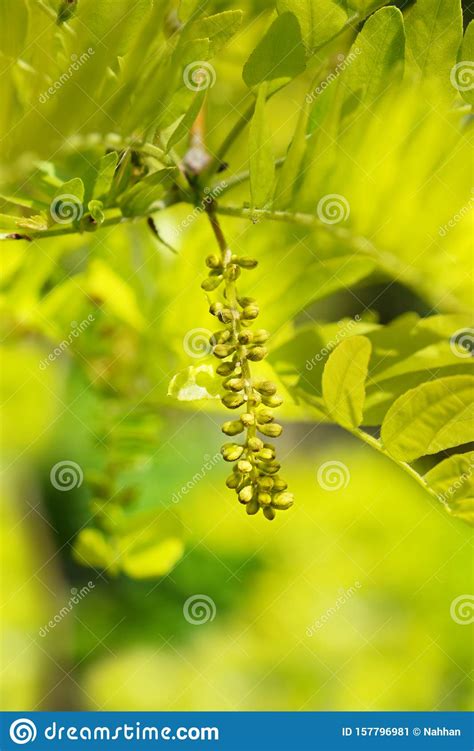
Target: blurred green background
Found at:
342, 603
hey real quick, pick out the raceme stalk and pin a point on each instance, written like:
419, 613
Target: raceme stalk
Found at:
255, 475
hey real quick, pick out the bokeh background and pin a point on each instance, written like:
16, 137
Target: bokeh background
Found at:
344, 602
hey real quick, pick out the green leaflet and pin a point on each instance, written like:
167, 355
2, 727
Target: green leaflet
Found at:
434, 33
218, 28
453, 478
105, 175
343, 381
377, 58
292, 165
13, 28
148, 546
187, 120
139, 198
279, 54
319, 20
461, 73
430, 418
262, 165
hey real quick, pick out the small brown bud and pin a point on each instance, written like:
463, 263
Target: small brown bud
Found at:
233, 481
265, 483
244, 466
279, 484
225, 315
244, 301
266, 454
252, 507
269, 513
215, 308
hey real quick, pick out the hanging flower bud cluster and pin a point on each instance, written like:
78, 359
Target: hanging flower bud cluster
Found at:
255, 475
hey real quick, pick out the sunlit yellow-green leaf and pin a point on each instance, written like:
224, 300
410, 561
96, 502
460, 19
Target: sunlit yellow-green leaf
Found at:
344, 379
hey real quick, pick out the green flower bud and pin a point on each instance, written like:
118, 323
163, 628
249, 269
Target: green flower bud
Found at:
213, 261
245, 337
266, 454
215, 308
264, 415
253, 507
223, 350
266, 387
272, 401
260, 336
255, 399
255, 444
232, 427
269, 513
219, 337
269, 468
246, 262
225, 315
233, 481
232, 401
244, 466
273, 430
283, 500
250, 312
264, 499
234, 384
245, 495
225, 368
232, 272
265, 483
232, 451
244, 301
211, 283
256, 354
279, 484
248, 418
